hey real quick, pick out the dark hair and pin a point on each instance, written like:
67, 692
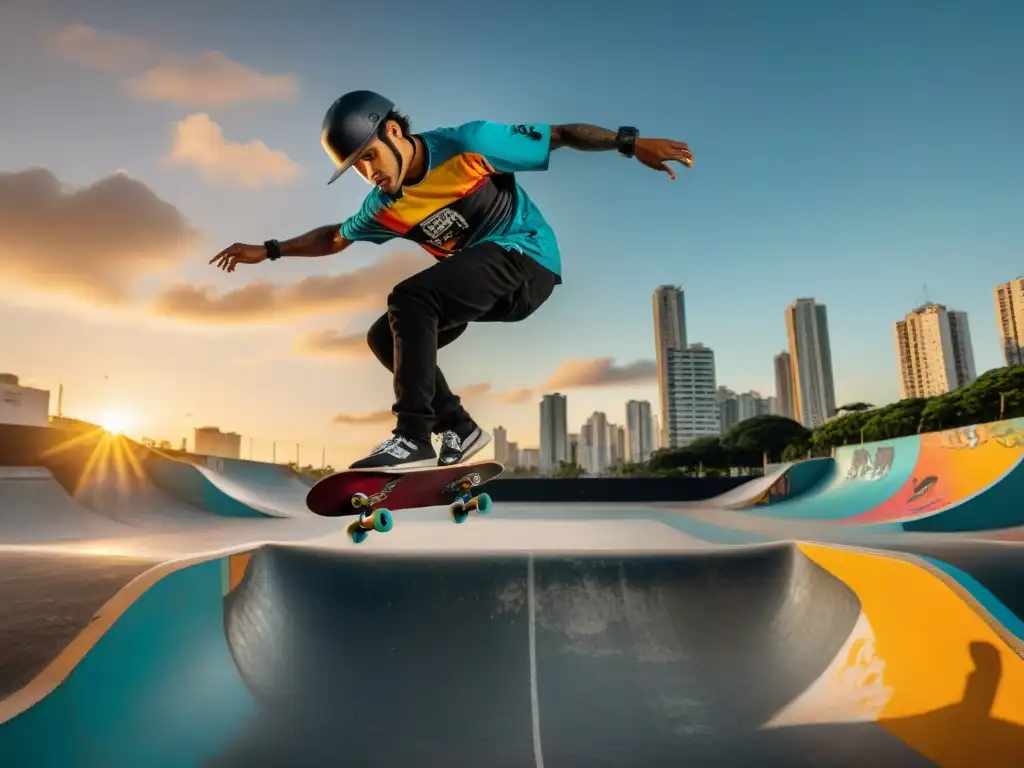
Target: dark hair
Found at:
403, 121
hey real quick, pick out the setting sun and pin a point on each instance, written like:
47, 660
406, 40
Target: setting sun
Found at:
115, 421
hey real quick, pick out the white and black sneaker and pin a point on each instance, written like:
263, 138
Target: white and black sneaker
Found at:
458, 445
400, 452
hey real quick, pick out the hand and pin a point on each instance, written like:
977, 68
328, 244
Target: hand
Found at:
239, 253
654, 152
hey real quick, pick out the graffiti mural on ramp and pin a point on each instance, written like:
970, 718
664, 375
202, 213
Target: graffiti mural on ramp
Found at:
952, 467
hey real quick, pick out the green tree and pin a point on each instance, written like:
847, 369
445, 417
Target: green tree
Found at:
766, 435
797, 450
898, 419
854, 407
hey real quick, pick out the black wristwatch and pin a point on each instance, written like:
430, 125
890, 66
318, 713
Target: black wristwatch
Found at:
625, 140
273, 249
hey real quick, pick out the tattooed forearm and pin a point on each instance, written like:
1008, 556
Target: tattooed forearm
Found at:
588, 138
322, 241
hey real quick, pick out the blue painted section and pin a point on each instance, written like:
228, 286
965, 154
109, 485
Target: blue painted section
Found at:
979, 592
160, 689
806, 476
835, 497
712, 534
260, 473
186, 482
1001, 505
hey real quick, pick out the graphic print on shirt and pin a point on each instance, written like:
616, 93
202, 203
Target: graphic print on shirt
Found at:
469, 194
459, 199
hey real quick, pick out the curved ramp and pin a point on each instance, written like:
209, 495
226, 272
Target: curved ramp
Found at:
119, 478
969, 478
772, 655
789, 481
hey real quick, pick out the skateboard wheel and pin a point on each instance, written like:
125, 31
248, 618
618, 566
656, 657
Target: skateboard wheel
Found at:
458, 512
483, 503
382, 520
358, 535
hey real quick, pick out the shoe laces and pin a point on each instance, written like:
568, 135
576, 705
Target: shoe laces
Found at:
385, 445
451, 440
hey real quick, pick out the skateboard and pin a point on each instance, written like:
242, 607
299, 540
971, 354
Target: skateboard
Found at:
362, 492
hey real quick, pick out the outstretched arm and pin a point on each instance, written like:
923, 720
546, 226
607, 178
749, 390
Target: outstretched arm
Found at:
587, 138
322, 241
651, 152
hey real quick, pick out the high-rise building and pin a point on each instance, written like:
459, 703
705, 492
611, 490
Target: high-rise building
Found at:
669, 334
692, 410
784, 385
934, 352
814, 397
529, 458
501, 445
639, 431
656, 433
599, 449
616, 444
574, 449
751, 404
1010, 319
728, 409
584, 448
554, 432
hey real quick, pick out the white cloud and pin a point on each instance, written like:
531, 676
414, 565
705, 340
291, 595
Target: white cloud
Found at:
199, 142
205, 79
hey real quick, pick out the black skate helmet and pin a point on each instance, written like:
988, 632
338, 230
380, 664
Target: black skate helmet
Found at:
351, 123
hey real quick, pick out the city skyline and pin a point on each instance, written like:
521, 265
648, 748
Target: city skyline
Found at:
949, 364
193, 133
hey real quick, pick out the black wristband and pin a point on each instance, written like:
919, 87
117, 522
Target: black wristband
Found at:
273, 249
625, 140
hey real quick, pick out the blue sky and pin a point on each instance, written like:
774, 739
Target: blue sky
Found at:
855, 153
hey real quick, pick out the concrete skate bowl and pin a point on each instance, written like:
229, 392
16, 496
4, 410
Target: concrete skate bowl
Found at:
789, 481
775, 655
275, 489
970, 478
117, 478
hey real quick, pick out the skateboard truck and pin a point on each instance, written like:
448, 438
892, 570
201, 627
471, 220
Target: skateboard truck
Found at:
465, 502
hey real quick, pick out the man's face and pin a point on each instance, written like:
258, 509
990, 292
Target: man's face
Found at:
378, 164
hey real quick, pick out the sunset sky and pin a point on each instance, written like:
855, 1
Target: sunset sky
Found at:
861, 154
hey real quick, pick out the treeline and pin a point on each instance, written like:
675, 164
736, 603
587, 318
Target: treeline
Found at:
994, 396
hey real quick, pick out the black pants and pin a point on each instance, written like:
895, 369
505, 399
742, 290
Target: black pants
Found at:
432, 308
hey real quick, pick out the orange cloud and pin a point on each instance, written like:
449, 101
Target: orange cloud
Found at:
599, 372
331, 344
521, 396
473, 395
199, 142
263, 300
105, 51
374, 417
92, 242
207, 79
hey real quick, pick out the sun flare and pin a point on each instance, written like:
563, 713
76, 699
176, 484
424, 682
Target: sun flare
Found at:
116, 421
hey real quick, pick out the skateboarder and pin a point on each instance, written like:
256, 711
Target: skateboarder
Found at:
453, 191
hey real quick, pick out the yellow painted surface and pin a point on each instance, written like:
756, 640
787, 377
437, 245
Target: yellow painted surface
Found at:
957, 688
237, 565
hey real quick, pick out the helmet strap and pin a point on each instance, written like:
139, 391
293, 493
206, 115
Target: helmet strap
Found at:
394, 150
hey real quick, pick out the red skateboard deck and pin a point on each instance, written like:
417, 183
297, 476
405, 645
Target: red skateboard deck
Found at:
373, 493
